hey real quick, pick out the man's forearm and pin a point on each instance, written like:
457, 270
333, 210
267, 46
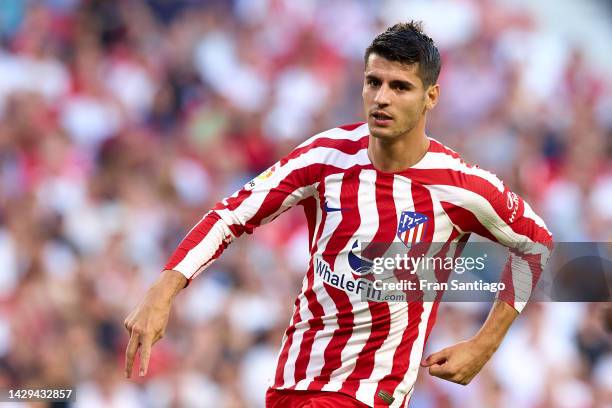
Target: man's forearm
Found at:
495, 327
168, 285
461, 362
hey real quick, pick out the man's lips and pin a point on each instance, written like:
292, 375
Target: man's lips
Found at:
381, 115
381, 118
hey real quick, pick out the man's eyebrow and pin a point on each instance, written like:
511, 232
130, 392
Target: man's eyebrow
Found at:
395, 82
405, 83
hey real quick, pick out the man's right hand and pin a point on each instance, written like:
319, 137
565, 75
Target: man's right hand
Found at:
147, 322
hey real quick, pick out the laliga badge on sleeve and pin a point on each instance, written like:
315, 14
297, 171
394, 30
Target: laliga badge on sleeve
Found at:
263, 176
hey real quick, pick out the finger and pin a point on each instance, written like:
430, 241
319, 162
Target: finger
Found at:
145, 353
127, 324
130, 352
129, 321
436, 358
441, 371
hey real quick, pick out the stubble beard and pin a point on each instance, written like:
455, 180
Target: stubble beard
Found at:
390, 135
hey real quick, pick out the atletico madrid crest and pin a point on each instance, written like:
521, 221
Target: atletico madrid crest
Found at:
411, 228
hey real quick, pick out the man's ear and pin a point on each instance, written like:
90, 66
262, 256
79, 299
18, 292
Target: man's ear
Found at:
432, 95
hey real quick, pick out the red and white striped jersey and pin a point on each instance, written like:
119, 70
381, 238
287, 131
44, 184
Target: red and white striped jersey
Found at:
336, 341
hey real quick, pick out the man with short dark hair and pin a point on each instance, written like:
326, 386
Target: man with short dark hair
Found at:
381, 181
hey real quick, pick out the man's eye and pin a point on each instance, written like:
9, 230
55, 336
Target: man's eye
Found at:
372, 82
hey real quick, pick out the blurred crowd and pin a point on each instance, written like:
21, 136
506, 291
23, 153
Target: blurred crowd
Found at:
123, 122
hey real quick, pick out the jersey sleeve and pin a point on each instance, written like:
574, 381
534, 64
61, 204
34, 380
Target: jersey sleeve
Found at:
504, 217
262, 199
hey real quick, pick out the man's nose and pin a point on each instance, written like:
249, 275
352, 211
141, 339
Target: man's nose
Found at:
382, 96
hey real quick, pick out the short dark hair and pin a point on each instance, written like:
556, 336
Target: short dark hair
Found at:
408, 44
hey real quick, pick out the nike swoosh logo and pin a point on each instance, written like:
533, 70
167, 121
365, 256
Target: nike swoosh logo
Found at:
327, 208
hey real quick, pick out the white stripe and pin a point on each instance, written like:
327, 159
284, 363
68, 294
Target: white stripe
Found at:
323, 299
303, 314
419, 233
522, 278
529, 213
294, 318
407, 384
338, 133
318, 218
192, 264
521, 281
410, 234
322, 338
201, 254
383, 358
294, 350
362, 319
333, 186
487, 216
435, 160
250, 205
443, 224
426, 274
289, 202
367, 388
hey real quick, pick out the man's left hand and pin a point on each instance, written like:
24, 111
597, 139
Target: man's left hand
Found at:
459, 363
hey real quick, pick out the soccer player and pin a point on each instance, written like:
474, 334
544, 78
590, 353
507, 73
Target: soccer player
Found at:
380, 181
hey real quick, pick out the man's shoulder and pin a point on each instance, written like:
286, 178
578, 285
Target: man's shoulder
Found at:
466, 174
445, 155
336, 146
338, 136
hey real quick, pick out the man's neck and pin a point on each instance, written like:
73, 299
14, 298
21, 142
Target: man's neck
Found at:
397, 155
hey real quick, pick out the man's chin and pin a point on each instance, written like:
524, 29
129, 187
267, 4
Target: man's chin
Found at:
381, 132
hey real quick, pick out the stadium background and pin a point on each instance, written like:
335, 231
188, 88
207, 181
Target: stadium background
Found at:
123, 122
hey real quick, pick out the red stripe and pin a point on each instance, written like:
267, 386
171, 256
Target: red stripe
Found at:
346, 146
271, 203
279, 379
193, 238
315, 324
181, 251
534, 261
275, 198
535, 264
437, 147
310, 212
466, 220
476, 184
379, 311
401, 358
338, 241
351, 126
442, 276
507, 295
